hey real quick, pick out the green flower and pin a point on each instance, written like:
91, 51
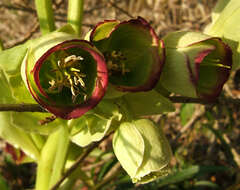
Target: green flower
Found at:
65, 75
197, 65
143, 150
133, 53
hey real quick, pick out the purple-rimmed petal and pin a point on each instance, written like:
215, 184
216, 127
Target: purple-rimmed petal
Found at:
61, 103
141, 53
208, 87
197, 65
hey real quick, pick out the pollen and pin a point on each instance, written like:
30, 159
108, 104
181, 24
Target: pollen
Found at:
68, 74
116, 63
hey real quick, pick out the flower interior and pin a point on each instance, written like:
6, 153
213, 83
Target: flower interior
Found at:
213, 71
116, 63
70, 77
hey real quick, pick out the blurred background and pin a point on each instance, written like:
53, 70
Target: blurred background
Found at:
204, 138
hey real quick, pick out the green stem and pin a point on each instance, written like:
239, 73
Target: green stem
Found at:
61, 154
75, 14
45, 15
52, 161
1, 46
77, 162
38, 140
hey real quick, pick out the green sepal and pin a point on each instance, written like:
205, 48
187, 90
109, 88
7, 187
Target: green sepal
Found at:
101, 32
129, 147
148, 103
197, 65
140, 64
143, 150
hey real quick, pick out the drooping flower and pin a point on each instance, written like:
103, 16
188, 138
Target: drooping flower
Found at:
142, 150
65, 75
133, 53
197, 65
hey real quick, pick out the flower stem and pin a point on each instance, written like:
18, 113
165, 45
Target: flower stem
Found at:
52, 161
60, 157
1, 46
45, 15
77, 163
75, 14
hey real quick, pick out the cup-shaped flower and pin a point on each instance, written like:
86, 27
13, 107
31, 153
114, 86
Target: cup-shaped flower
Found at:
66, 76
142, 150
133, 53
197, 65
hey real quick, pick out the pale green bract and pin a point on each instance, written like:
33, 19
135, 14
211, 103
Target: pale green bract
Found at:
143, 150
93, 126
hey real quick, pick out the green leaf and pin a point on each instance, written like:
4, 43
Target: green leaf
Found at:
31, 122
6, 94
189, 173
10, 79
89, 128
11, 59
206, 184
19, 90
94, 125
17, 137
108, 109
3, 184
148, 103
186, 113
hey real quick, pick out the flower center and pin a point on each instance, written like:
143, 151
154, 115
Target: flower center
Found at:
68, 74
116, 63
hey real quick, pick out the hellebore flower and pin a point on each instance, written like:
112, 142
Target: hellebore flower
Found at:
142, 150
66, 76
197, 65
133, 53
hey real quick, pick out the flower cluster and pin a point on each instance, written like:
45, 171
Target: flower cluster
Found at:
126, 60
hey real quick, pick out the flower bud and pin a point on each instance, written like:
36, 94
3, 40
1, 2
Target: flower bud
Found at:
142, 150
133, 53
65, 75
197, 65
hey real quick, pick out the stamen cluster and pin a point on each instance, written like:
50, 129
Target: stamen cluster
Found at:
116, 63
69, 75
